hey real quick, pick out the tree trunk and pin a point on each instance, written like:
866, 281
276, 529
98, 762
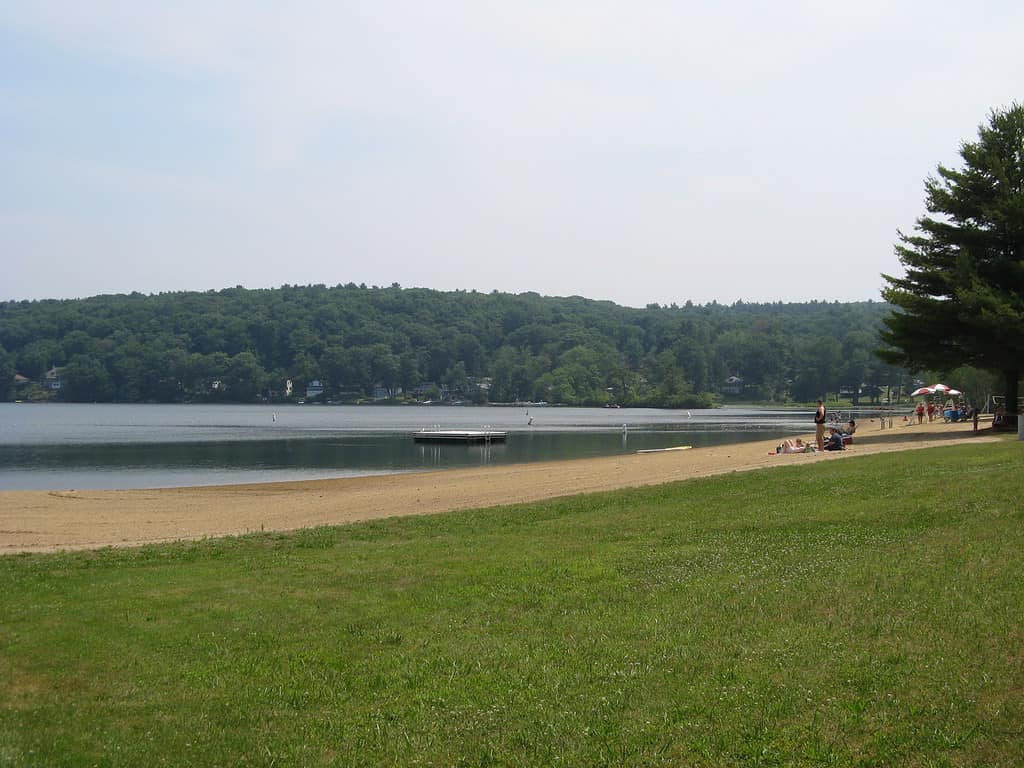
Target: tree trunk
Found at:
1012, 383
1012, 380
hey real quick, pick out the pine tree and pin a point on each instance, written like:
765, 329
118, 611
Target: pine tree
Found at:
962, 298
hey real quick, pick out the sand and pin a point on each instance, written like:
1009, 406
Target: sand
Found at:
46, 521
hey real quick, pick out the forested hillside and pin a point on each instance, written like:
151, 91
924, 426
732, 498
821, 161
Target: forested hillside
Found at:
357, 342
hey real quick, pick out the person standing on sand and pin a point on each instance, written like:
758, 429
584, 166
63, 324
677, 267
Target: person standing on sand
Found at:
819, 426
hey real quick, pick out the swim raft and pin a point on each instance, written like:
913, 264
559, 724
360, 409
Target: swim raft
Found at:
458, 436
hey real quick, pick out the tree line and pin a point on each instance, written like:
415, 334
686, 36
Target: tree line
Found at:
244, 345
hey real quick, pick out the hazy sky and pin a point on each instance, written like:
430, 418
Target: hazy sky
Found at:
632, 151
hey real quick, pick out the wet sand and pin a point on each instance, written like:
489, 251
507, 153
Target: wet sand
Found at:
43, 521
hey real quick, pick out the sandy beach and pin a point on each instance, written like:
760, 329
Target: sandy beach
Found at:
42, 521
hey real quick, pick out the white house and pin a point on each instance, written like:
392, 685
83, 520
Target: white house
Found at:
733, 386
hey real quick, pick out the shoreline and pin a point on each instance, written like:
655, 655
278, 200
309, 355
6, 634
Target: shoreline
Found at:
51, 521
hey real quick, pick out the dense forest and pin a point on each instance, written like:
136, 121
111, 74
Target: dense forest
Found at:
354, 343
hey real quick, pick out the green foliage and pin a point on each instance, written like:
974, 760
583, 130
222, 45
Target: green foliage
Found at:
7, 372
243, 345
962, 299
86, 380
863, 612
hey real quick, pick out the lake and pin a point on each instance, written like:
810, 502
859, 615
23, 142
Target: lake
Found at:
59, 446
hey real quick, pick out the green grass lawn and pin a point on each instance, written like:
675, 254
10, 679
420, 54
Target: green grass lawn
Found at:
867, 611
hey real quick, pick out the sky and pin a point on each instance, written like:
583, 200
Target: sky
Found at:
638, 151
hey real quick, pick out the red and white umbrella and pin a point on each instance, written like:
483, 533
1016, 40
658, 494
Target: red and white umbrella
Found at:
939, 388
954, 392
922, 391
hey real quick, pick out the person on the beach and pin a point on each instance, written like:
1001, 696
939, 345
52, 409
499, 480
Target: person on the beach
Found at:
931, 411
851, 427
819, 426
792, 446
999, 418
920, 413
835, 440
947, 411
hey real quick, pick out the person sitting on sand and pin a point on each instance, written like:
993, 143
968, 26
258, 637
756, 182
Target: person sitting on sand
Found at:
851, 427
999, 418
835, 441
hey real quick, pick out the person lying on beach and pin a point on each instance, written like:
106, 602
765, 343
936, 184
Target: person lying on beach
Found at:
792, 446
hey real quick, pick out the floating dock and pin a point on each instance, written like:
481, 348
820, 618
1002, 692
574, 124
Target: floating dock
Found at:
458, 436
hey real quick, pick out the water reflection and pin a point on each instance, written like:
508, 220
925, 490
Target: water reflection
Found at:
106, 446
132, 465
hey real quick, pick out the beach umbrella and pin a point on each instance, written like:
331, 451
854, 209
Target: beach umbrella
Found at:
954, 392
922, 391
939, 388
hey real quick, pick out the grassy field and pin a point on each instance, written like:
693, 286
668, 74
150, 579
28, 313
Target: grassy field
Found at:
862, 612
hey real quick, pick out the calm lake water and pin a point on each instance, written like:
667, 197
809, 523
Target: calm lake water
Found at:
60, 446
